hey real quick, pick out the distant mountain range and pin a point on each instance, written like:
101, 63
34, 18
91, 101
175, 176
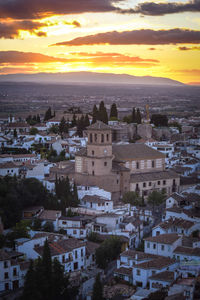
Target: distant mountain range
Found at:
88, 78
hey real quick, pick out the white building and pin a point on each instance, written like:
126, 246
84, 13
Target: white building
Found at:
163, 245
9, 168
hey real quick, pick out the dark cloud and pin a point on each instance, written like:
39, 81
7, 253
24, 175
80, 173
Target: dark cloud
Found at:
160, 9
10, 30
188, 48
138, 37
35, 9
17, 57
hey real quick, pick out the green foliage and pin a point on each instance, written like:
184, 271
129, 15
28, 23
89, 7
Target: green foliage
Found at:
54, 129
17, 194
46, 280
108, 251
97, 293
67, 194
102, 113
37, 224
156, 198
127, 119
113, 111
93, 237
158, 295
33, 120
133, 198
74, 121
82, 124
176, 124
48, 227
94, 114
159, 120
15, 133
63, 126
33, 131
48, 114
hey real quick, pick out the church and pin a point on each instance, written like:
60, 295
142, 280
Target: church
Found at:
122, 168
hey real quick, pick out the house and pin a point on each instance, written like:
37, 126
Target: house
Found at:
111, 220
162, 280
143, 271
50, 216
182, 253
192, 214
73, 226
9, 168
174, 225
175, 200
97, 203
163, 245
184, 286
90, 253
70, 253
12, 270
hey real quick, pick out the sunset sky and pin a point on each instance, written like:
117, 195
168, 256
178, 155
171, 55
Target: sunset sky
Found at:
137, 37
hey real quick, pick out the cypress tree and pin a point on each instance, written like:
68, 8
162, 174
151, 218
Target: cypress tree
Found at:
86, 121
74, 122
97, 293
75, 195
94, 114
80, 126
138, 116
38, 118
47, 271
63, 127
31, 291
133, 115
48, 114
60, 281
113, 111
15, 133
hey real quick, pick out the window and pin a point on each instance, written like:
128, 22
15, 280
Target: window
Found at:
93, 163
92, 152
82, 252
90, 137
5, 264
144, 184
7, 286
93, 173
148, 245
154, 246
81, 233
64, 222
105, 163
150, 183
162, 247
138, 272
158, 182
63, 259
5, 275
76, 254
74, 231
153, 164
102, 138
14, 272
137, 165
95, 137
164, 182
107, 137
117, 181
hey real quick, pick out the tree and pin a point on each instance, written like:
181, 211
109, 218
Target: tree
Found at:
80, 126
156, 198
133, 115
38, 118
133, 198
97, 293
159, 120
113, 111
63, 127
54, 129
102, 114
94, 114
74, 122
86, 121
108, 251
30, 286
15, 133
37, 223
33, 131
48, 114
48, 227
47, 270
59, 279
75, 195
138, 117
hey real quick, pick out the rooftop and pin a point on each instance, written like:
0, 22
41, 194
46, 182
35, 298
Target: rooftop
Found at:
99, 126
168, 239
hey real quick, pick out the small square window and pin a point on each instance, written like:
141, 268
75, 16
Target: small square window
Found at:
105, 163
154, 246
144, 184
138, 272
92, 152
150, 183
158, 182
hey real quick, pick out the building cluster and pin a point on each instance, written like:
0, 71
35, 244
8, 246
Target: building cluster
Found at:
160, 245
